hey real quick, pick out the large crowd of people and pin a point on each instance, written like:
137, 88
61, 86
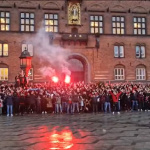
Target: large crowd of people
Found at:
73, 98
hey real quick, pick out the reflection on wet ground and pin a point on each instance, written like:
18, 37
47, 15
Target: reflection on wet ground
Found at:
128, 131
57, 139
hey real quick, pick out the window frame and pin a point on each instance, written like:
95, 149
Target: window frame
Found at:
116, 76
4, 75
138, 69
116, 28
140, 51
119, 50
5, 17
98, 21
3, 50
137, 18
53, 19
25, 24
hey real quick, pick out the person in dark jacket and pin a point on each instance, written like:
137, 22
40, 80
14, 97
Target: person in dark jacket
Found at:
44, 104
16, 103
22, 103
32, 102
38, 104
140, 101
107, 102
75, 102
9, 102
27, 102
17, 81
94, 98
134, 98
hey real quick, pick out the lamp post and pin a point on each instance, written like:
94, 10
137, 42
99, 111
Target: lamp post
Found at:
97, 36
25, 65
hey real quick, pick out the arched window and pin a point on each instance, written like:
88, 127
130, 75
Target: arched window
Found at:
3, 72
119, 72
140, 51
140, 72
118, 51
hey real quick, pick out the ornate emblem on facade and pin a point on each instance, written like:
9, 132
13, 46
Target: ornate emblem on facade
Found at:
74, 15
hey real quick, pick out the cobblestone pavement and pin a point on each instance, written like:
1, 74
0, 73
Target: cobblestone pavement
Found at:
128, 131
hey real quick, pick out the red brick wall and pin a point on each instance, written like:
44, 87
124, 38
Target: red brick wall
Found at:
101, 64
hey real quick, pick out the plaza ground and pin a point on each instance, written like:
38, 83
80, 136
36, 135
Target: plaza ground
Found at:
128, 131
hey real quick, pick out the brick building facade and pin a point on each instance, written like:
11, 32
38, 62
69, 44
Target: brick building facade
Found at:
120, 52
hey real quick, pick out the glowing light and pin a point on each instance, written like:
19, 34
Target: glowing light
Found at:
50, 22
2, 20
67, 79
137, 25
55, 79
61, 140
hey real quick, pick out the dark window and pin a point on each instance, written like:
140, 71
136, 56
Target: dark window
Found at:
118, 25
27, 22
139, 25
51, 22
96, 24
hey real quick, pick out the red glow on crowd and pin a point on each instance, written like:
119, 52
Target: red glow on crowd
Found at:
55, 79
67, 79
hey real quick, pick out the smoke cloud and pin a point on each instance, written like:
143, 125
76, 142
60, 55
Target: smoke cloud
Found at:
53, 59
77, 65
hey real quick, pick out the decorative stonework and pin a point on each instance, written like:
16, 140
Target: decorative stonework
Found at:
51, 5
74, 13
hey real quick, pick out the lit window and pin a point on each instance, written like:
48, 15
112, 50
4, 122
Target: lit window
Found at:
27, 22
119, 73
140, 51
3, 74
51, 22
28, 47
31, 74
118, 51
139, 25
96, 24
4, 21
140, 74
3, 50
118, 25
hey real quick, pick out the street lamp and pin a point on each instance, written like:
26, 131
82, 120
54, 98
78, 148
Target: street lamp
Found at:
97, 36
25, 63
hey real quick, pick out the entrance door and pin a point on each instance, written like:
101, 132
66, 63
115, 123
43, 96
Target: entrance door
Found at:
77, 70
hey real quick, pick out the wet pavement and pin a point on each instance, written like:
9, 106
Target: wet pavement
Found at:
128, 131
